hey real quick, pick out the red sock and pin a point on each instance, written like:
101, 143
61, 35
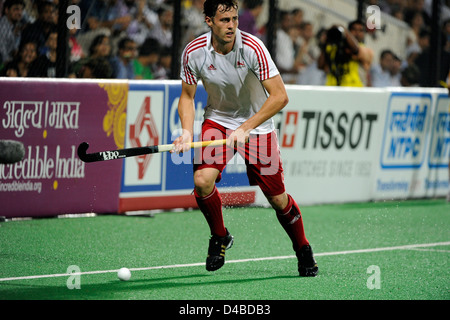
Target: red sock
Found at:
211, 207
291, 220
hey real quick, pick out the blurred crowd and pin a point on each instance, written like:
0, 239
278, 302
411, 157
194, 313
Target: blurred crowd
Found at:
120, 39
310, 59
132, 39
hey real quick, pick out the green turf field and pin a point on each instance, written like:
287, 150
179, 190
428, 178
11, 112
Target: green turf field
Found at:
371, 251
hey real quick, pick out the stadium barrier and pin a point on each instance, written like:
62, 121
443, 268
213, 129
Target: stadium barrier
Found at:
52, 117
337, 145
351, 145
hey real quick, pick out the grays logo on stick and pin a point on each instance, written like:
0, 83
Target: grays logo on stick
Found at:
110, 155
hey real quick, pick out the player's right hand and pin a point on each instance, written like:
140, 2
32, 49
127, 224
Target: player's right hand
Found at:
182, 143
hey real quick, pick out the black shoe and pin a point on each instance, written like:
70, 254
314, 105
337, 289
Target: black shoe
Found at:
307, 265
216, 251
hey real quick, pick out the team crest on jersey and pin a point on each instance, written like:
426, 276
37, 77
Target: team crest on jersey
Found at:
240, 64
211, 67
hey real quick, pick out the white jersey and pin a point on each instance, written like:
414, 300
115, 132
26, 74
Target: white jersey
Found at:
232, 81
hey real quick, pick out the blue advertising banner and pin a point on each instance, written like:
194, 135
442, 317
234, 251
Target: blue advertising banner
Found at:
415, 150
439, 154
406, 130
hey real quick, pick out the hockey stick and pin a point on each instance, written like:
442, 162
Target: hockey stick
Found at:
138, 151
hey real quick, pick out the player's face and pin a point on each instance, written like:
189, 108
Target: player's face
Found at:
223, 25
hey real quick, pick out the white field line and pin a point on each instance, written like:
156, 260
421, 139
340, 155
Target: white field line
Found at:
334, 253
430, 250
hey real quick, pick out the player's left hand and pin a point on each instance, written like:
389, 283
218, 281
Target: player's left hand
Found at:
238, 138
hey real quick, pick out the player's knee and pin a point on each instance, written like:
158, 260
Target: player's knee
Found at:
278, 202
203, 184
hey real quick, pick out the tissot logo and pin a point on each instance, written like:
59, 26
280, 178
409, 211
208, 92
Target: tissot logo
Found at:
407, 122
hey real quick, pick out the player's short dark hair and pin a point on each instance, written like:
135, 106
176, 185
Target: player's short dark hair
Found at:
210, 6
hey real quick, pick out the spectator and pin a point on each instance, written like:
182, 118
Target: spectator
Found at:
97, 68
10, 29
247, 18
426, 73
358, 30
423, 42
297, 17
307, 56
410, 76
104, 14
122, 65
415, 21
148, 56
193, 21
285, 50
343, 57
45, 65
143, 20
20, 66
100, 49
29, 12
102, 17
163, 29
392, 7
38, 31
396, 71
446, 35
76, 50
398, 13
381, 74
419, 7
162, 67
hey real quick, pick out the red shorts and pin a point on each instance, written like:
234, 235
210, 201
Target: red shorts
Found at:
261, 155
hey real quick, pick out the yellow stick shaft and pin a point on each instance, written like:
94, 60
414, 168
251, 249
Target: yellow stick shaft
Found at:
197, 144
213, 143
